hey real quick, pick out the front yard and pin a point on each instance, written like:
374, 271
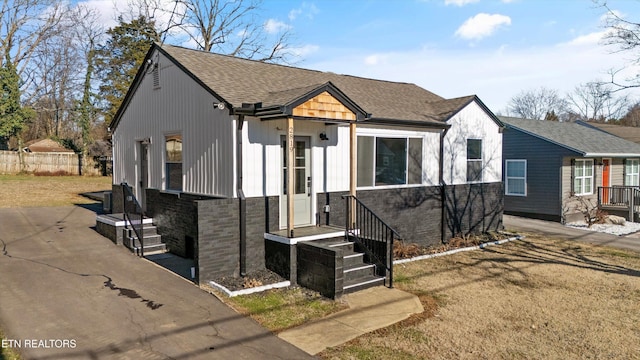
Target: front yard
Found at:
30, 190
536, 298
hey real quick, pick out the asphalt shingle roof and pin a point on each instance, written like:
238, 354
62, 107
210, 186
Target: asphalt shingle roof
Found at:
626, 132
240, 81
579, 138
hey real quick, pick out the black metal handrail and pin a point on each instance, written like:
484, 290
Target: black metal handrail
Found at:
134, 215
372, 234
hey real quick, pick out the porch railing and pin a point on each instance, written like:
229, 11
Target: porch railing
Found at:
372, 235
623, 197
133, 214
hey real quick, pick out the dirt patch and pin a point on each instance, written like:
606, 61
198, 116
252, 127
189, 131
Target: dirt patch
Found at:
402, 250
534, 298
252, 279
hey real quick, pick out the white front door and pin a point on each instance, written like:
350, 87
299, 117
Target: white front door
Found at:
302, 184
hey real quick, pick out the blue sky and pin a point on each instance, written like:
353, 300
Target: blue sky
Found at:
491, 48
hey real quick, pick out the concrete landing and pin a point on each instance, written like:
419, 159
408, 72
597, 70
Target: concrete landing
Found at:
369, 310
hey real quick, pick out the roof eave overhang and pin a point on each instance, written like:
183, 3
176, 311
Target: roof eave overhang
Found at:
404, 122
612, 155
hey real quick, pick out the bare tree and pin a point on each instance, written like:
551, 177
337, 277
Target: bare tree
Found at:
24, 24
622, 36
596, 101
632, 117
537, 104
230, 27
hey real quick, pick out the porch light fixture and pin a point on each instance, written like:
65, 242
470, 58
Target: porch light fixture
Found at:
323, 136
219, 106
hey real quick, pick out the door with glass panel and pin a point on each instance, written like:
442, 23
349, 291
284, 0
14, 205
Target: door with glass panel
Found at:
302, 182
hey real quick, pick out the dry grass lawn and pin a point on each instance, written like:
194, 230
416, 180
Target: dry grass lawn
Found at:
532, 299
36, 191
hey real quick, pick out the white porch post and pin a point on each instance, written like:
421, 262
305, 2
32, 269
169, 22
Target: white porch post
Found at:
290, 175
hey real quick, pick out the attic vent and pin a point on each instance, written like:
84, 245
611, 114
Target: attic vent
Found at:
156, 76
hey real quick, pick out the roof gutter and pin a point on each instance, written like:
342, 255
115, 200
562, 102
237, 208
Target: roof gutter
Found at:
443, 186
612, 155
242, 201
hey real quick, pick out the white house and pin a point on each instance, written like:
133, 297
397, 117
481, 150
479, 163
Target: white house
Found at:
206, 141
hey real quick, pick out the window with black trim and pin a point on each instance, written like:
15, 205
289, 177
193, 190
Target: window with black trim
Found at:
173, 162
384, 161
583, 177
474, 160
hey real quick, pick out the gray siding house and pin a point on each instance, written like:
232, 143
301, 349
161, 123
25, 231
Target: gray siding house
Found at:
550, 166
244, 165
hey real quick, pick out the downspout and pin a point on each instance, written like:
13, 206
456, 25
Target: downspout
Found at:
443, 193
242, 200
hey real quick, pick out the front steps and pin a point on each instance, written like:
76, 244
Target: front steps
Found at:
358, 275
152, 241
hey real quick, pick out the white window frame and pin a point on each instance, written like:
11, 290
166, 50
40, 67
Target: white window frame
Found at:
629, 164
507, 177
584, 177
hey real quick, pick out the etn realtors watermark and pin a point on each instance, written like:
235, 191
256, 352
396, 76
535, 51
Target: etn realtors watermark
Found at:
38, 344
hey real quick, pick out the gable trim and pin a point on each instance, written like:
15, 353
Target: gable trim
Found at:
484, 108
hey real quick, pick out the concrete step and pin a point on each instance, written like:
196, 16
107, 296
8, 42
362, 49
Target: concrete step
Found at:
346, 246
150, 249
358, 271
132, 241
352, 259
362, 283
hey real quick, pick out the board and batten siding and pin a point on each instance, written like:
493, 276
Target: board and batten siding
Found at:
544, 171
183, 108
472, 122
262, 154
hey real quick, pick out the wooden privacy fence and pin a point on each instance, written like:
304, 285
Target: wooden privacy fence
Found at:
48, 163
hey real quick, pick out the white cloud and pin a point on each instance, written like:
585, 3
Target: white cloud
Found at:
494, 75
273, 26
308, 10
482, 25
305, 50
459, 2
375, 59
593, 38
108, 11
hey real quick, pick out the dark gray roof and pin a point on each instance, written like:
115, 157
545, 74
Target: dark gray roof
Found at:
240, 81
581, 139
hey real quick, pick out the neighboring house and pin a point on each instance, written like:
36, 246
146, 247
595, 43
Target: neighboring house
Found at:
550, 166
45, 146
213, 144
629, 133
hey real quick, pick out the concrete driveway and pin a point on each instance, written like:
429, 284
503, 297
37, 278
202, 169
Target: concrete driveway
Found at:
559, 231
68, 293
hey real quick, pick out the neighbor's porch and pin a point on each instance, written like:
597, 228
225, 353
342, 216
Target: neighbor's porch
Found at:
620, 200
